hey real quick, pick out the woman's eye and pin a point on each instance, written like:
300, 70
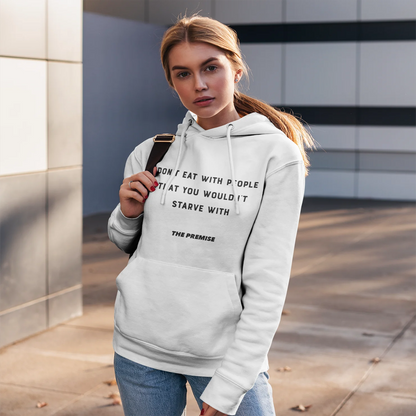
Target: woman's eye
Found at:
182, 74
211, 68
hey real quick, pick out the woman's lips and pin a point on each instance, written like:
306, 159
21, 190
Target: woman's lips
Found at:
204, 102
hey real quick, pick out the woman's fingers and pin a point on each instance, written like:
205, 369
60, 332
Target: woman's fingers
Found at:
137, 187
135, 190
135, 195
145, 177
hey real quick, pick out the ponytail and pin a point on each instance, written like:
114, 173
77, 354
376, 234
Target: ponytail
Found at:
291, 126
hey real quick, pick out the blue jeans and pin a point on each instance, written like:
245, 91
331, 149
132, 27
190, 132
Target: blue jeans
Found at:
145, 391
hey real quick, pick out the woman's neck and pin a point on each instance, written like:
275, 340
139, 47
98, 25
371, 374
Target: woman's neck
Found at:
218, 120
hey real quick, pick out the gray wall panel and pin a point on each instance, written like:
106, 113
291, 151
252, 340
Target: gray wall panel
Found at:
387, 9
249, 11
128, 102
23, 322
343, 160
125, 9
22, 239
396, 139
64, 229
320, 73
363, 161
320, 10
164, 12
387, 161
399, 186
65, 306
387, 74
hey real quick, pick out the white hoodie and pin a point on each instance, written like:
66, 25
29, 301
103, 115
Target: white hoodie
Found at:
203, 294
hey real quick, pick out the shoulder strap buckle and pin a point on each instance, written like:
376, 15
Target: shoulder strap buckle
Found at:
164, 138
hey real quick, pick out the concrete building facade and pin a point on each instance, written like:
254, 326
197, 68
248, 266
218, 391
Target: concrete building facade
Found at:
40, 165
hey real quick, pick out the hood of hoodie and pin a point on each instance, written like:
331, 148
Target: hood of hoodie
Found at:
251, 124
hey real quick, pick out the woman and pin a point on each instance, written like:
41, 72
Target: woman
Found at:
201, 298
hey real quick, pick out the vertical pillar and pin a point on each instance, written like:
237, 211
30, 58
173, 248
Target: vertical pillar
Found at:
40, 165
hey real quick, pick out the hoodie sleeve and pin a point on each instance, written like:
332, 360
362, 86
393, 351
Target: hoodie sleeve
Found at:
265, 275
122, 229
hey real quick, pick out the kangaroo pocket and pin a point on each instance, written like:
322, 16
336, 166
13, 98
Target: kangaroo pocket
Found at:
182, 309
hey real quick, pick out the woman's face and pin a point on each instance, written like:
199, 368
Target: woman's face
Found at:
200, 70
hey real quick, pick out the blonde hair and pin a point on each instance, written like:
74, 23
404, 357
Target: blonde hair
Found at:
197, 28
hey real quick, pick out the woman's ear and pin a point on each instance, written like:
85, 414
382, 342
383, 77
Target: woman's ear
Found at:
238, 75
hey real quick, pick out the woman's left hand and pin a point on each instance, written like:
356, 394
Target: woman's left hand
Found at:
210, 411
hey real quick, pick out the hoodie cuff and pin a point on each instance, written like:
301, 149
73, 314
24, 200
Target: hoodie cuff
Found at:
126, 223
223, 395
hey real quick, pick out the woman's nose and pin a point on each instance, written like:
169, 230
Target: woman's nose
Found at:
200, 84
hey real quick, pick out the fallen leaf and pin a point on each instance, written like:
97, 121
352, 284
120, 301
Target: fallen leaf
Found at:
285, 368
41, 404
285, 312
301, 407
113, 395
375, 360
111, 382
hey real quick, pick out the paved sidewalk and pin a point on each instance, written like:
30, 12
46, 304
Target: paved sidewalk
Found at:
351, 298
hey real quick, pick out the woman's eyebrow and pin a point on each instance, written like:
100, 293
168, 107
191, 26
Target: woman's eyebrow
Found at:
203, 63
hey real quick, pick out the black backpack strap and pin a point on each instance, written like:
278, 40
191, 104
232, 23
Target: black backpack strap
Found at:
161, 145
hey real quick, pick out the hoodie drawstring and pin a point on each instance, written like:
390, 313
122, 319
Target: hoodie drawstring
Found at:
172, 175
230, 154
